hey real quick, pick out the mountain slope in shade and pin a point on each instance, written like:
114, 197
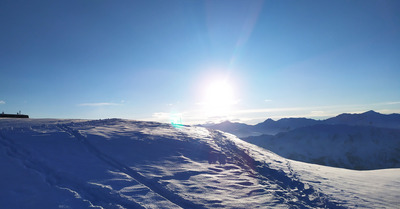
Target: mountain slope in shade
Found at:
132, 164
284, 124
370, 118
353, 147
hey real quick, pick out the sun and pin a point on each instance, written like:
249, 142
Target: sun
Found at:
218, 98
219, 93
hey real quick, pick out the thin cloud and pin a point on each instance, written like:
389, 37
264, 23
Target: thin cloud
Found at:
161, 115
166, 115
311, 108
2, 102
266, 110
99, 104
391, 103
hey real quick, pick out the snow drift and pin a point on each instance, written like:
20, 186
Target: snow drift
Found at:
131, 164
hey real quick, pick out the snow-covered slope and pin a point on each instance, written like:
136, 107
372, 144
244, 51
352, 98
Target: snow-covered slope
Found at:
353, 147
131, 164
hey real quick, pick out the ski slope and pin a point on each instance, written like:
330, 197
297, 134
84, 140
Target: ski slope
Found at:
117, 163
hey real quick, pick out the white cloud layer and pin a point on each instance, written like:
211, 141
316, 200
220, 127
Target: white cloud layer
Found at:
2, 102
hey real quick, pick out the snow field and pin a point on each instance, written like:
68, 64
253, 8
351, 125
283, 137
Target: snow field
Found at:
131, 164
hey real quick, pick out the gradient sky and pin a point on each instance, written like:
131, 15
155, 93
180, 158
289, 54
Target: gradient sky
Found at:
155, 60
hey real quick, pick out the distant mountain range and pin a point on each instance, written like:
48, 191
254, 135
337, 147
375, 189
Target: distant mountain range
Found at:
272, 127
368, 140
370, 118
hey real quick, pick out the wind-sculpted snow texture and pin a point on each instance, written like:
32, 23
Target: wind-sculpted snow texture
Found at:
130, 164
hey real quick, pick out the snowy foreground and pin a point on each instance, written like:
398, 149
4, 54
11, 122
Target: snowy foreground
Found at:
130, 164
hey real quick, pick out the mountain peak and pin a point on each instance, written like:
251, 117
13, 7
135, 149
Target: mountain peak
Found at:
269, 120
226, 122
352, 115
371, 112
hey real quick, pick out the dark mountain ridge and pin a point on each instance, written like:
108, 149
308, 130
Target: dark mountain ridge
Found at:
272, 127
370, 118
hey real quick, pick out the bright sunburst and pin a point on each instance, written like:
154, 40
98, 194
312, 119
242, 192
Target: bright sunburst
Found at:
218, 98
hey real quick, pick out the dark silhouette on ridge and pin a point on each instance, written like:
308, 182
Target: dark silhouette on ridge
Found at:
18, 115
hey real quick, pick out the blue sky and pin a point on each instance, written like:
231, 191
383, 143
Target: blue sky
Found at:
156, 60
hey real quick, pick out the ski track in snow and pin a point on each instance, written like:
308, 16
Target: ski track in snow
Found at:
235, 173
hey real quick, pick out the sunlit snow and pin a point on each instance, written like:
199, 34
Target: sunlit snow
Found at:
131, 164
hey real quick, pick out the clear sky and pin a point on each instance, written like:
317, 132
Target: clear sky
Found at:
198, 61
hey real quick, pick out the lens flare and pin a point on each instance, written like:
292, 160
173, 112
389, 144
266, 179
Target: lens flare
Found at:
176, 120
